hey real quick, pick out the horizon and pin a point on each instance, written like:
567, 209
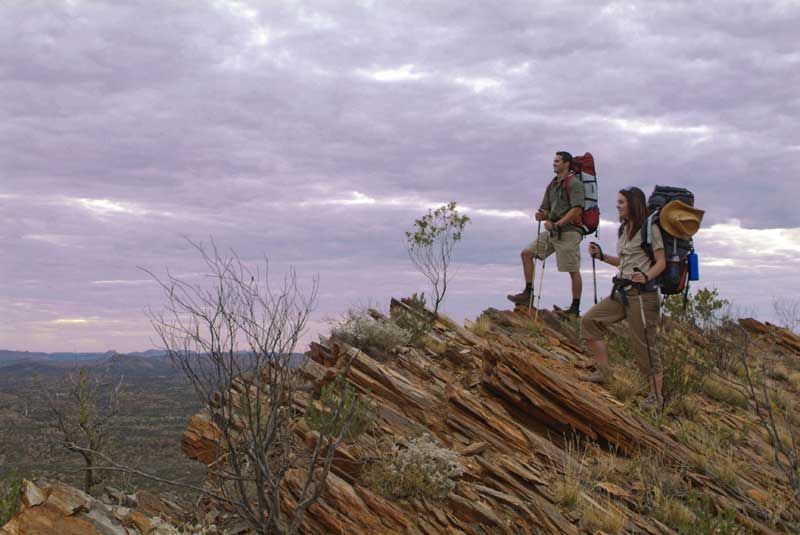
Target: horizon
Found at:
316, 134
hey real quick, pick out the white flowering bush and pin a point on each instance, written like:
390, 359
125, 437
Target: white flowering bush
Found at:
361, 330
420, 470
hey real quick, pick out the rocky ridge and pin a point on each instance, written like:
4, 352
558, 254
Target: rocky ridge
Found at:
505, 395
508, 402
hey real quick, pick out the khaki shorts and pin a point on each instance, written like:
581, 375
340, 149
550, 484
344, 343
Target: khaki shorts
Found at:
608, 311
567, 249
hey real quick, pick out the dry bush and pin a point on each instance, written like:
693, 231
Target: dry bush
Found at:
571, 474
482, 326
607, 519
421, 469
233, 336
671, 511
414, 317
626, 383
724, 393
794, 380
374, 336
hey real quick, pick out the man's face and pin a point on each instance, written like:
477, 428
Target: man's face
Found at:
559, 165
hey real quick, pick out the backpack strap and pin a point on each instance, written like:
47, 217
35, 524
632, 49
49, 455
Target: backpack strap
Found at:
647, 237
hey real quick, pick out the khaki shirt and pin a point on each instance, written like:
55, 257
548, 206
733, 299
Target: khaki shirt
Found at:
556, 202
631, 254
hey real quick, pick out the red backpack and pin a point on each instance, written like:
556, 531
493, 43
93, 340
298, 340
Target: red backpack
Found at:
582, 167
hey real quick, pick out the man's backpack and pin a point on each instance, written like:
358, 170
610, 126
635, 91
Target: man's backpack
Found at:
582, 168
674, 279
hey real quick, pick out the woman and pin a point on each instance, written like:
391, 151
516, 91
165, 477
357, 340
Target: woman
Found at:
634, 290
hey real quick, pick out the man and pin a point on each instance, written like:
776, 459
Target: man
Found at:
562, 205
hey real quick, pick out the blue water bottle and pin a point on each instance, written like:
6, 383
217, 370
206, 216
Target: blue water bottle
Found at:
694, 266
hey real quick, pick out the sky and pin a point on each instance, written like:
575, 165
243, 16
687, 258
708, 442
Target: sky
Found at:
314, 134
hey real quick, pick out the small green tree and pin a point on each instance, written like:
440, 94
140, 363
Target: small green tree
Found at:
430, 244
700, 309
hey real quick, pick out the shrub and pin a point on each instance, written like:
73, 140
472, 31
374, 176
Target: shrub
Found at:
701, 308
625, 384
483, 325
608, 519
620, 349
319, 416
417, 321
10, 488
709, 520
421, 470
361, 330
684, 369
672, 512
572, 474
723, 393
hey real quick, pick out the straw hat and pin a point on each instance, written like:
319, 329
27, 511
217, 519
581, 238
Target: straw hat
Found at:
680, 220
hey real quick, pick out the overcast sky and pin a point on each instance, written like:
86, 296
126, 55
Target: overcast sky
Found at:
315, 133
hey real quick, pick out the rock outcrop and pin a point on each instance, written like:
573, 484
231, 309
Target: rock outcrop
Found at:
54, 508
508, 402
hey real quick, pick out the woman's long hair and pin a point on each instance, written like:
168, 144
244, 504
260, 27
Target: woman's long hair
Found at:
637, 211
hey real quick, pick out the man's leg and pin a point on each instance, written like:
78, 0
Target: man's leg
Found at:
577, 288
527, 266
539, 248
568, 255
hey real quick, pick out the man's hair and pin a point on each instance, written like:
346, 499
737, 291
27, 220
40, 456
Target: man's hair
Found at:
565, 156
637, 210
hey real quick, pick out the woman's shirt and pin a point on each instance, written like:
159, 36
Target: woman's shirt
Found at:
632, 255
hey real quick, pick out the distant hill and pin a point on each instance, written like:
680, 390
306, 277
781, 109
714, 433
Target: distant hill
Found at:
150, 364
13, 356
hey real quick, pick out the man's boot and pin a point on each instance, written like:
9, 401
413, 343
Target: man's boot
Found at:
522, 298
602, 375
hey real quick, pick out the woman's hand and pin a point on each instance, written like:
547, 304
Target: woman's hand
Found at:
595, 251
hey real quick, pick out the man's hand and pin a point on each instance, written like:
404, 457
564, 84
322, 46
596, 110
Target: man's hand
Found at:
541, 215
549, 225
639, 278
594, 250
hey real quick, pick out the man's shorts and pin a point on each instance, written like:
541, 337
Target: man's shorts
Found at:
567, 249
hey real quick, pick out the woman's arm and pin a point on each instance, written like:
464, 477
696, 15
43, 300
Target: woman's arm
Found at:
659, 266
597, 252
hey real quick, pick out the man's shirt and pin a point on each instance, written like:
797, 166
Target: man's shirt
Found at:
558, 203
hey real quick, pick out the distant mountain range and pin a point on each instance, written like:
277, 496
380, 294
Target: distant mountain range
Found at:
150, 363
7, 356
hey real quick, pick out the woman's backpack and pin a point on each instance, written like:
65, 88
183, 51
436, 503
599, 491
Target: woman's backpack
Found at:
674, 279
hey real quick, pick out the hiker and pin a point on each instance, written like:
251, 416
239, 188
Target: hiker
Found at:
635, 288
559, 210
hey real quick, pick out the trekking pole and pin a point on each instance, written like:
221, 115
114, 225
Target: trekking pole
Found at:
594, 270
533, 277
647, 343
541, 281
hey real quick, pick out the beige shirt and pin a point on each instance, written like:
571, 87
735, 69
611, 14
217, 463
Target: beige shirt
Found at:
631, 254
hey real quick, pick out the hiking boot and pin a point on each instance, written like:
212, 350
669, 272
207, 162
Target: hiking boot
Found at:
602, 375
571, 311
522, 298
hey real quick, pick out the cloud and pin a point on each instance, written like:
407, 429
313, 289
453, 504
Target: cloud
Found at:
315, 133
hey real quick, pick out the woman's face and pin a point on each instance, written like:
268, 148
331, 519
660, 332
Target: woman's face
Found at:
622, 206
